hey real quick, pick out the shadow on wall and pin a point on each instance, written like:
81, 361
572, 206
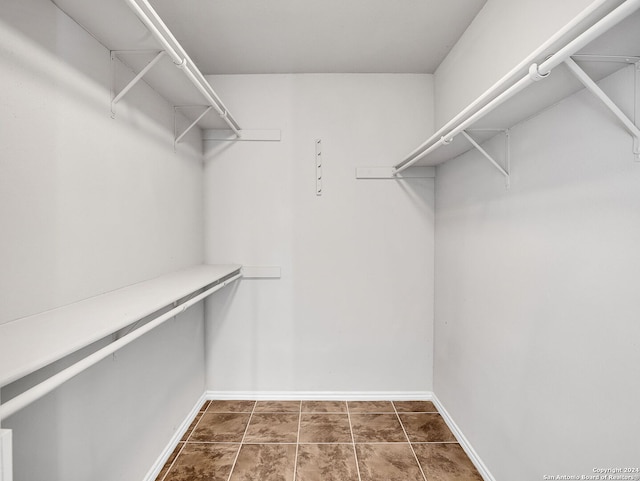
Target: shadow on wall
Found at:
415, 191
216, 308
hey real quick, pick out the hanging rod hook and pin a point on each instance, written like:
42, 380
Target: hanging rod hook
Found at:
182, 64
535, 74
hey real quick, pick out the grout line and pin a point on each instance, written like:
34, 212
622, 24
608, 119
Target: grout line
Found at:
418, 412
373, 412
348, 443
233, 466
353, 442
295, 461
184, 443
277, 412
409, 441
194, 427
174, 460
226, 412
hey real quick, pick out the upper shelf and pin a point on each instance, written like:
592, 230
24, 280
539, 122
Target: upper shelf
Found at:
32, 342
622, 40
119, 29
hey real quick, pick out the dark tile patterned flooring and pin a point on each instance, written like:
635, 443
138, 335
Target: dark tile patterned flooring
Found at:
318, 441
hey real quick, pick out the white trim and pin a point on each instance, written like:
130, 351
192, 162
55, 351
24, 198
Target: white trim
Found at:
321, 395
152, 474
463, 441
6, 455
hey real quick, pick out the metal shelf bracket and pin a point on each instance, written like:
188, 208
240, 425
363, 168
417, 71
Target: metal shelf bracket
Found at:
116, 97
502, 170
178, 137
588, 82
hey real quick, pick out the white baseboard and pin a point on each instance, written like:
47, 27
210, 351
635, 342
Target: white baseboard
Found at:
463, 441
322, 395
152, 474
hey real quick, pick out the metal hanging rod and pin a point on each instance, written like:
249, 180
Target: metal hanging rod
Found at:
181, 59
474, 112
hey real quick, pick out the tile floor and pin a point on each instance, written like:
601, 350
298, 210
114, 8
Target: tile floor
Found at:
318, 441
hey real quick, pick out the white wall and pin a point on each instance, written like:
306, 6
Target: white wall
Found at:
89, 204
536, 326
501, 35
353, 310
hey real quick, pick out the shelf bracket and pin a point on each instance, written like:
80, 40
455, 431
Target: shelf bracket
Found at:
588, 82
116, 97
502, 170
178, 137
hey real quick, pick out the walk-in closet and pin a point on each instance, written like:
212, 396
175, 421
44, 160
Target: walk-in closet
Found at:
341, 240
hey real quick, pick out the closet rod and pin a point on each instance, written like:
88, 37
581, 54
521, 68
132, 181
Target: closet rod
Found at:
181, 59
22, 400
441, 137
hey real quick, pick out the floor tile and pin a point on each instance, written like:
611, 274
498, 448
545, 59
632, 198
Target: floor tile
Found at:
203, 462
277, 407
325, 428
387, 462
446, 462
377, 428
370, 407
426, 427
169, 462
265, 462
326, 462
415, 407
324, 407
231, 406
204, 406
220, 428
273, 428
191, 426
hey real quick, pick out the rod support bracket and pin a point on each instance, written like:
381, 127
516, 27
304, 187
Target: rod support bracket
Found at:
504, 171
117, 96
535, 74
177, 137
629, 123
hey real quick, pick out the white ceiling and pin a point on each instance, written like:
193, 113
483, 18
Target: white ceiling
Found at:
310, 36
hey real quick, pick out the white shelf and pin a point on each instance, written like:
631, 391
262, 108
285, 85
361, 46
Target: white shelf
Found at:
622, 40
30, 343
